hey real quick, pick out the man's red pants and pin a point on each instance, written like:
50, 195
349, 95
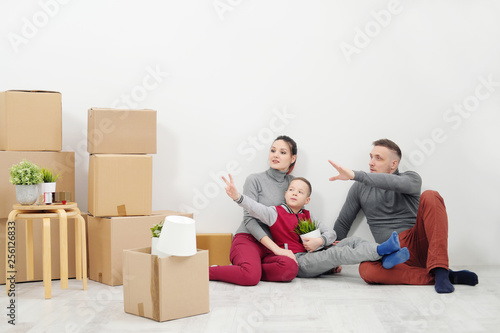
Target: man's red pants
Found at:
427, 242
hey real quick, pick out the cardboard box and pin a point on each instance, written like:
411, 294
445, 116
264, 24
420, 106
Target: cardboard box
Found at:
60, 162
30, 120
218, 246
109, 236
113, 131
21, 253
165, 288
120, 185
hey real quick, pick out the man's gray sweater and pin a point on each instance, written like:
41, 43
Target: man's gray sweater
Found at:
389, 202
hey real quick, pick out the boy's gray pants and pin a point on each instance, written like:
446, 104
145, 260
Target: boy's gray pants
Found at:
349, 251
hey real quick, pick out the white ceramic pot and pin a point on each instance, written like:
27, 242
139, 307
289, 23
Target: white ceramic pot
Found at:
154, 248
27, 194
48, 187
312, 234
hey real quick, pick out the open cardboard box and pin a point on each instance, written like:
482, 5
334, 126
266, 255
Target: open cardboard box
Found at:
165, 288
109, 236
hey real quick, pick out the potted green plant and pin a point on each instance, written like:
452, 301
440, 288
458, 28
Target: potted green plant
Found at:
26, 176
155, 231
49, 184
307, 228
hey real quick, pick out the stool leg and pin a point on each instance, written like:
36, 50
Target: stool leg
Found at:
83, 249
47, 266
78, 249
63, 247
30, 269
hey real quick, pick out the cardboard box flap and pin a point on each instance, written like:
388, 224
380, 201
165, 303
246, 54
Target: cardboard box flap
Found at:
117, 110
35, 91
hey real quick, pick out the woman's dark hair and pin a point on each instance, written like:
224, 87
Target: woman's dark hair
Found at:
293, 148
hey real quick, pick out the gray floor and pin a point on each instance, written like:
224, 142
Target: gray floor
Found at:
334, 303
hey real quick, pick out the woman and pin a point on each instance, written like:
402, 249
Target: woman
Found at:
253, 253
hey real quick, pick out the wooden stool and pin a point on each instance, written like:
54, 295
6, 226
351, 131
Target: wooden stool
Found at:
45, 213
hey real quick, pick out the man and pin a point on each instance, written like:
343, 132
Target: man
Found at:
391, 201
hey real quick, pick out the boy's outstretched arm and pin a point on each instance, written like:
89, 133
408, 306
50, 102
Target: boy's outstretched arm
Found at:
265, 214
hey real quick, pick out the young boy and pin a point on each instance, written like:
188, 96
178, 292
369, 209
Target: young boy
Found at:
283, 219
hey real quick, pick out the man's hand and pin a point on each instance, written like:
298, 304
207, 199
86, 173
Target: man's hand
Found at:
312, 244
344, 173
231, 190
287, 253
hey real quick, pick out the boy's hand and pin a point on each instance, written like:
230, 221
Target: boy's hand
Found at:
231, 190
344, 173
312, 244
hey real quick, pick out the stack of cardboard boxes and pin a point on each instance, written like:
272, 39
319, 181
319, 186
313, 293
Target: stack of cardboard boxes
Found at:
119, 203
120, 143
31, 128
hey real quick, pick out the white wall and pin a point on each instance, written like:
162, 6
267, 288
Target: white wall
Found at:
231, 75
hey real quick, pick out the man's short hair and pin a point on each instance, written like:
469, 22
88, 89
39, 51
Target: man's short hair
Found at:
389, 145
307, 183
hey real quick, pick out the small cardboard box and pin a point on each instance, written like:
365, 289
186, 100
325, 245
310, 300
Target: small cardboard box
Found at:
30, 120
21, 254
218, 246
113, 131
165, 288
120, 185
60, 162
109, 236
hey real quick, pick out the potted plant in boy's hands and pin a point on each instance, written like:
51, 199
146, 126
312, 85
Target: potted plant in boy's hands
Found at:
307, 228
26, 176
49, 183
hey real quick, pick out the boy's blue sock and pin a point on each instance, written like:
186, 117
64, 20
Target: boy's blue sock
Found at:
463, 277
398, 257
389, 246
442, 283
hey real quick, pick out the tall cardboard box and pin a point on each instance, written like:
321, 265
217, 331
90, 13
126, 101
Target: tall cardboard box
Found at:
218, 246
165, 288
30, 120
21, 253
114, 131
61, 162
120, 185
109, 236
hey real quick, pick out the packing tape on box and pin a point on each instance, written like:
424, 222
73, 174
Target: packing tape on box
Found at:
122, 210
155, 287
140, 309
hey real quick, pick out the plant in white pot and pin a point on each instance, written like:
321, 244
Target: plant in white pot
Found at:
307, 228
49, 183
26, 176
156, 231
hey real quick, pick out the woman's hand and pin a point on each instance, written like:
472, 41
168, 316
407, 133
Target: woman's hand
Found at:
231, 190
312, 244
287, 253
